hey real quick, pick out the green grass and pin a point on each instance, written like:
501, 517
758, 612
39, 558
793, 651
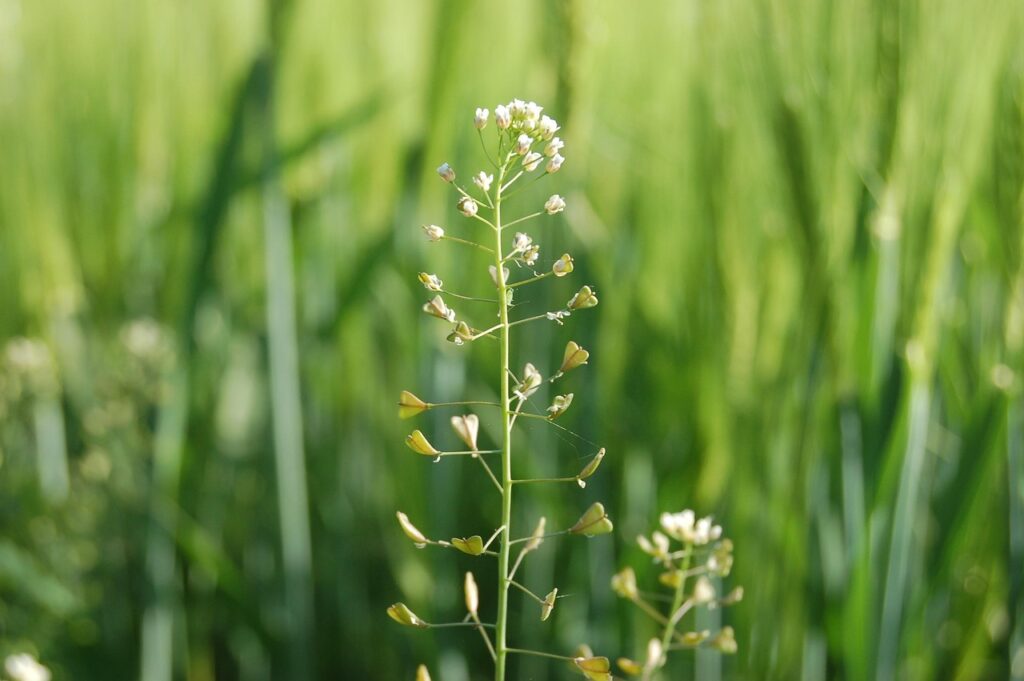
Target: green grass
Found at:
772, 199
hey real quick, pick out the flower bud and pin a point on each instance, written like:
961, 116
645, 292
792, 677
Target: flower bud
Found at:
630, 667
594, 668
480, 119
593, 522
720, 561
523, 143
733, 597
417, 442
672, 579
703, 591
532, 111
562, 266
530, 382
555, 163
433, 232
624, 584
431, 282
474, 545
532, 160
521, 242
574, 356
655, 655
467, 427
483, 180
502, 117
559, 405
417, 537
556, 204
401, 613
548, 605
547, 127
553, 147
583, 299
409, 405
467, 206
422, 674
437, 308
530, 255
695, 638
446, 172
472, 594
724, 641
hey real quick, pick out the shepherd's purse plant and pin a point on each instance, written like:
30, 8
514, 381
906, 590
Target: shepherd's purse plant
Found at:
525, 147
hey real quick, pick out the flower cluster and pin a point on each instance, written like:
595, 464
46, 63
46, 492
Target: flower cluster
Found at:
685, 547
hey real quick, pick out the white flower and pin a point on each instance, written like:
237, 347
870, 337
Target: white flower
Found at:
555, 163
548, 126
480, 120
24, 667
523, 143
557, 316
532, 111
532, 160
553, 147
679, 525
556, 204
483, 180
431, 282
521, 241
467, 206
433, 232
703, 591
531, 254
517, 107
502, 117
530, 383
446, 172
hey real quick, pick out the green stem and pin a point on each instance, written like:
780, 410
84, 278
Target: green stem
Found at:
538, 653
467, 242
506, 457
531, 279
677, 602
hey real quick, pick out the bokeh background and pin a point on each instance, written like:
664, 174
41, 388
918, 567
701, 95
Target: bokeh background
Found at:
804, 220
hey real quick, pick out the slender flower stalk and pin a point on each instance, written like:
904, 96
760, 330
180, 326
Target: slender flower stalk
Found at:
524, 140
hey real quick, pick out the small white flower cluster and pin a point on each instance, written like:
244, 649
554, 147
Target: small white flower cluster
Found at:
24, 667
685, 527
527, 126
524, 251
704, 553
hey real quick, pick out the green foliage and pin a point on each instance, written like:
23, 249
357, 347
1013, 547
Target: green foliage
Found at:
804, 221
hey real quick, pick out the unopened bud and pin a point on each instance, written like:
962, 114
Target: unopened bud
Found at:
555, 204
472, 594
446, 172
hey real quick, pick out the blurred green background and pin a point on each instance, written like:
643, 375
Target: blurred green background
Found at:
805, 220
